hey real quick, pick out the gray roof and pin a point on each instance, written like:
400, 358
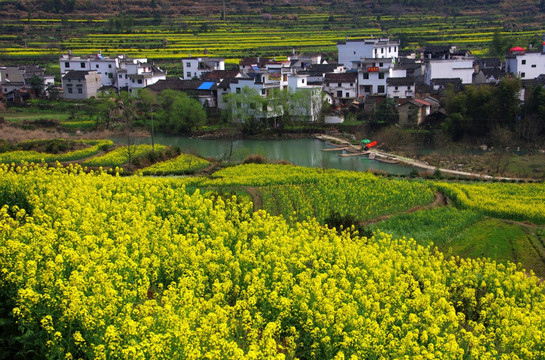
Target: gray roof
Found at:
404, 81
76, 74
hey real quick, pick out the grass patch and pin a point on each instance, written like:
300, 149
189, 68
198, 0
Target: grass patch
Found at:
499, 241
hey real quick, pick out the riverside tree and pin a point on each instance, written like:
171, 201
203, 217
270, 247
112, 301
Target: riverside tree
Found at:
178, 113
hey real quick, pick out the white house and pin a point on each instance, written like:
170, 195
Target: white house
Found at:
353, 50
120, 72
401, 88
526, 65
197, 67
343, 88
81, 84
372, 75
449, 69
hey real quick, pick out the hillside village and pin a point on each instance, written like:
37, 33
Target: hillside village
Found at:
365, 72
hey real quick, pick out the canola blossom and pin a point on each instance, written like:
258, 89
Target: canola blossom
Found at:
522, 202
22, 156
182, 164
101, 266
301, 192
120, 155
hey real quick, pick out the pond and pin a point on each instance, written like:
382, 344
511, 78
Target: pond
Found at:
303, 152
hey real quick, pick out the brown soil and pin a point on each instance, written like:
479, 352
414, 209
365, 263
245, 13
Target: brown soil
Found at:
14, 134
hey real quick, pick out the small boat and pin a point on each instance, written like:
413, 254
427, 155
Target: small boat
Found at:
388, 161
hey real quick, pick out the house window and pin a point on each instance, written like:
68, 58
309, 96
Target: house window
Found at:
368, 88
303, 81
80, 90
408, 88
382, 50
380, 89
70, 90
110, 76
381, 75
67, 64
389, 49
354, 53
366, 76
381, 64
263, 91
339, 93
522, 75
120, 76
238, 90
340, 85
523, 62
351, 84
533, 65
97, 66
347, 94
140, 81
188, 64
82, 65
396, 88
189, 74
109, 66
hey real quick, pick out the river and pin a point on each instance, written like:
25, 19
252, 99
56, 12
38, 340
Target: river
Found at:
302, 152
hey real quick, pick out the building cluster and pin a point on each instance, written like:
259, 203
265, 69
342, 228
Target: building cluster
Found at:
366, 72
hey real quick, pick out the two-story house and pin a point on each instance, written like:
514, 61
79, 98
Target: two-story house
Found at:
343, 88
524, 64
353, 50
81, 84
197, 67
372, 75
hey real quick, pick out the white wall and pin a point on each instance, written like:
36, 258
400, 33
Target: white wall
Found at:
449, 69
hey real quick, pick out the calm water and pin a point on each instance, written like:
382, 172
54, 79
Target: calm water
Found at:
302, 152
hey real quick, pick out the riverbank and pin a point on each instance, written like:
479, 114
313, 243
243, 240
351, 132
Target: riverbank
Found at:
424, 166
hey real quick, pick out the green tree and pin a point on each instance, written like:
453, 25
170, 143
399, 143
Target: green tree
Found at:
147, 102
386, 111
246, 108
179, 113
37, 85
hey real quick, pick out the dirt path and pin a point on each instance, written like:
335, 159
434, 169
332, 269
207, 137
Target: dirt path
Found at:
411, 162
256, 197
440, 200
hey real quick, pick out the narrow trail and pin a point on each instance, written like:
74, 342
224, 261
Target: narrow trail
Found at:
440, 200
412, 162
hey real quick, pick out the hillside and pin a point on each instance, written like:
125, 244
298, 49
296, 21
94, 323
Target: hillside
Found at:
169, 8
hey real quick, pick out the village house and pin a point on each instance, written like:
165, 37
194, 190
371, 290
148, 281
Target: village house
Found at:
401, 88
343, 88
412, 112
354, 50
525, 64
81, 84
311, 108
13, 78
204, 91
449, 69
197, 67
120, 72
372, 75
